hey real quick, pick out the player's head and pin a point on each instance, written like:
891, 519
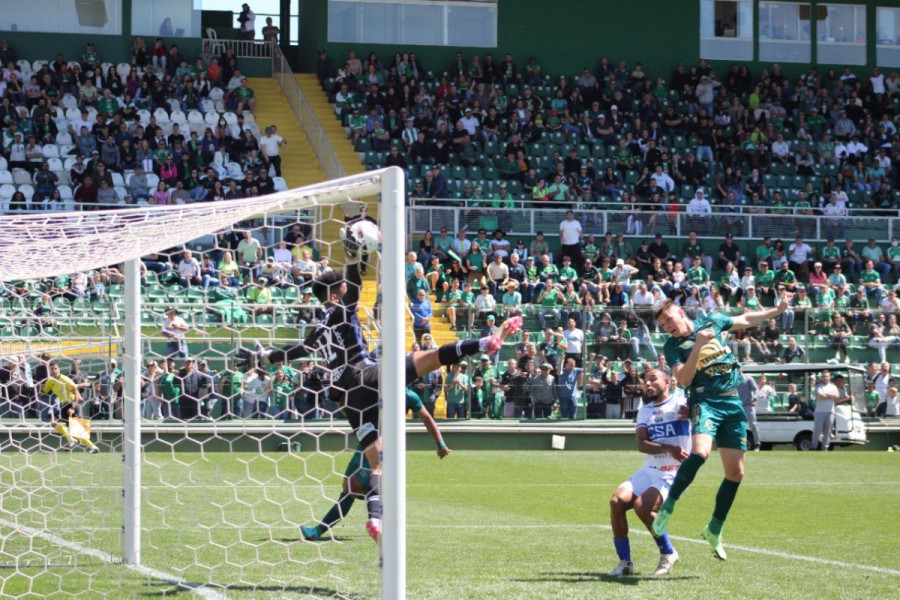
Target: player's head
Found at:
329, 287
672, 318
54, 369
656, 385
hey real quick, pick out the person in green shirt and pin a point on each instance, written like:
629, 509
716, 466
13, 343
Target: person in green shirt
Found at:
559, 190
589, 249
89, 58
764, 251
567, 273
894, 257
691, 250
489, 378
108, 105
831, 256
873, 252
870, 281
785, 279
456, 391
548, 300
281, 406
357, 124
167, 384
840, 337
697, 275
244, 96
873, 398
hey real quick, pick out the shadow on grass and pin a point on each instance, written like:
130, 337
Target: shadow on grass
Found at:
592, 577
332, 538
169, 590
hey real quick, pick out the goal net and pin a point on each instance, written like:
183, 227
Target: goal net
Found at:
138, 455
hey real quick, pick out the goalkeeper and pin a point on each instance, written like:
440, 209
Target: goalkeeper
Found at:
358, 472
702, 361
69, 397
353, 371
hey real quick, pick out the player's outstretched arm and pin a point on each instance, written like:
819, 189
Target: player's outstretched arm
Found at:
753, 319
432, 428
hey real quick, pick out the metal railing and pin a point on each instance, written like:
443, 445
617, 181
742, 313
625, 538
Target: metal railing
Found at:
527, 218
245, 48
313, 129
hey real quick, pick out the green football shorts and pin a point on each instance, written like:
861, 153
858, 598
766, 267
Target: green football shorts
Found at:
723, 418
359, 467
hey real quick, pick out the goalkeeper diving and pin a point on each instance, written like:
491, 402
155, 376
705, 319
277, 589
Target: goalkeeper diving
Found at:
354, 373
358, 472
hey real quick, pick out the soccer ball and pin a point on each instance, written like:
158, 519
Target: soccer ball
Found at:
367, 235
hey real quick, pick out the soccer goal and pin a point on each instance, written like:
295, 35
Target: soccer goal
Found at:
151, 463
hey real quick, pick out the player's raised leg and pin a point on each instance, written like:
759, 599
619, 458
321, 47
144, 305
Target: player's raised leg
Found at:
701, 445
733, 464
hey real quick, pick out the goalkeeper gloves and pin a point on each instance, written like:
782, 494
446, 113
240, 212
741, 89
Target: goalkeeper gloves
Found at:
252, 359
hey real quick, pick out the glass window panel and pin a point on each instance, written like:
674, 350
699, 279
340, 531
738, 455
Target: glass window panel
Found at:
472, 26
166, 18
887, 50
726, 29
841, 35
97, 17
413, 22
783, 35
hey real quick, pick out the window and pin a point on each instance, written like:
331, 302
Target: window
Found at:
262, 9
841, 34
887, 49
165, 18
419, 22
96, 17
784, 32
726, 29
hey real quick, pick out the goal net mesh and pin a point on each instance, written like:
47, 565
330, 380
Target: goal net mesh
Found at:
233, 460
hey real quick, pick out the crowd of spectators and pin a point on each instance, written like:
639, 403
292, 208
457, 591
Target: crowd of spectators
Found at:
815, 144
160, 129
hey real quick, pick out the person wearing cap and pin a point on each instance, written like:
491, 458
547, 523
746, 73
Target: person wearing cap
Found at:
436, 187
511, 300
488, 374
174, 329
702, 361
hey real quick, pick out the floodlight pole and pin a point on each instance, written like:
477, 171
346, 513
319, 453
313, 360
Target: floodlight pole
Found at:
393, 338
131, 425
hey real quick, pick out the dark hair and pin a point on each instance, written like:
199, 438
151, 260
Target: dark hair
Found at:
325, 284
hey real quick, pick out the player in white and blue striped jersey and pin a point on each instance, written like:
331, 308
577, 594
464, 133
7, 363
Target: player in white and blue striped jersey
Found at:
663, 434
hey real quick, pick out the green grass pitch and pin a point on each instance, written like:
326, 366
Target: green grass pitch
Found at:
482, 525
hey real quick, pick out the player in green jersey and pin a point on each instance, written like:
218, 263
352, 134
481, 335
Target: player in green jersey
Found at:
701, 360
358, 471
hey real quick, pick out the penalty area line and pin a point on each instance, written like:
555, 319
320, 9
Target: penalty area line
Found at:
195, 588
689, 540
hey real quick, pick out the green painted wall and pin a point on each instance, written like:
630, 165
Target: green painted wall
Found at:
563, 35
574, 33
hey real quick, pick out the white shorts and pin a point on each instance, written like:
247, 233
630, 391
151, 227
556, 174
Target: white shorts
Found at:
647, 478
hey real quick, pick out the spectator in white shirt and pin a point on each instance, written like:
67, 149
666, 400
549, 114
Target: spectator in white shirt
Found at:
283, 256
798, 257
663, 180
781, 149
189, 270
857, 148
700, 213
470, 123
570, 234
268, 147
876, 80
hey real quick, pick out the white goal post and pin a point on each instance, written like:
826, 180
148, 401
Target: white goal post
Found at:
38, 246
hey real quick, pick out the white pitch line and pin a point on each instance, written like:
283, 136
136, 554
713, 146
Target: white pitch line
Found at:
750, 549
198, 589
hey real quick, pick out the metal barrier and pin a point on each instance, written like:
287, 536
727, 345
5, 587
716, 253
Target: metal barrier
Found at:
318, 139
246, 48
527, 218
